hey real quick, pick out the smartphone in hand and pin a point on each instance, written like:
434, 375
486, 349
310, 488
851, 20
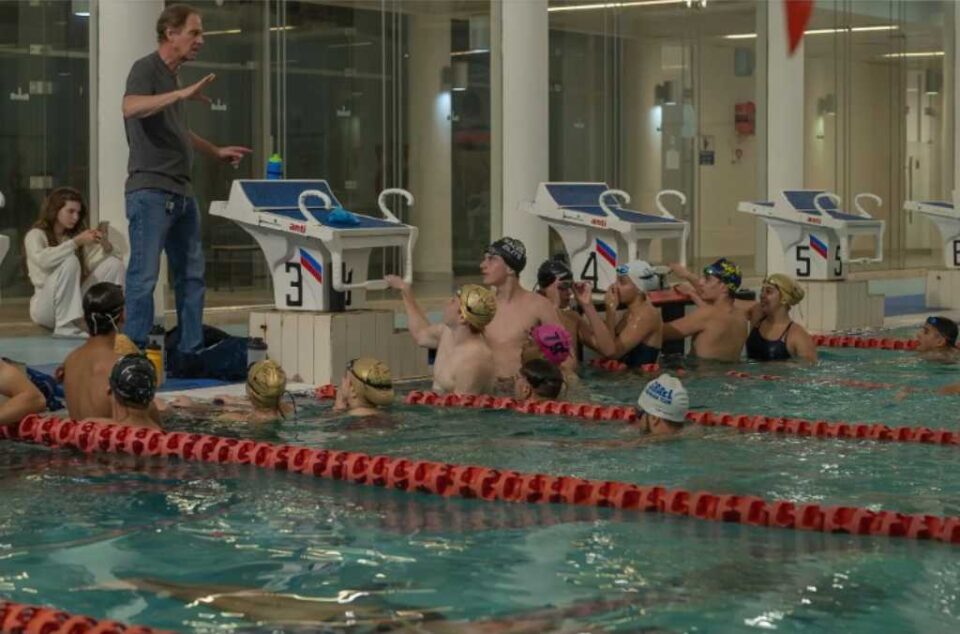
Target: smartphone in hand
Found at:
104, 229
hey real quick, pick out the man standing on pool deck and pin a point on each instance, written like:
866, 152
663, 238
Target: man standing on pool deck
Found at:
518, 310
161, 209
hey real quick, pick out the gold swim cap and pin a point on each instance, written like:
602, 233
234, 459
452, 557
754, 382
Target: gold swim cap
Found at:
478, 305
790, 292
123, 345
266, 383
371, 380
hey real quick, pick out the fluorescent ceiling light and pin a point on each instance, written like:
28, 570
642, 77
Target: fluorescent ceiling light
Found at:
916, 54
612, 5
238, 31
855, 29
475, 51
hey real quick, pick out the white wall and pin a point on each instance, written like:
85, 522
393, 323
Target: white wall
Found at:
523, 158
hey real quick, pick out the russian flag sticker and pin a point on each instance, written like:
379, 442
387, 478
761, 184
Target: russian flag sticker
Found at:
606, 252
311, 265
817, 245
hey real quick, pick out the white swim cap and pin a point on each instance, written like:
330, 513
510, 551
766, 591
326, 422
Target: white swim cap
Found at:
665, 397
641, 274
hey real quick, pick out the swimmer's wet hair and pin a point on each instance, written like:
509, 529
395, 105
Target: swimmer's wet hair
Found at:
544, 378
102, 307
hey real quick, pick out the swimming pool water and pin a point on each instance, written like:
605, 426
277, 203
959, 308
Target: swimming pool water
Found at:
107, 535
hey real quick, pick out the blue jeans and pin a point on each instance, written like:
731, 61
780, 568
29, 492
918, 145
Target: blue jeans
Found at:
161, 220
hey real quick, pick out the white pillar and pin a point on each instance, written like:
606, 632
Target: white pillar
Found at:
521, 150
430, 145
784, 106
122, 32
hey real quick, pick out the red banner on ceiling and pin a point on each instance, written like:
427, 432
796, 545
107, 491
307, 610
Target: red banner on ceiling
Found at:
798, 15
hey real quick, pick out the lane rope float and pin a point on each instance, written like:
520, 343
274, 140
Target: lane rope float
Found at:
20, 618
482, 483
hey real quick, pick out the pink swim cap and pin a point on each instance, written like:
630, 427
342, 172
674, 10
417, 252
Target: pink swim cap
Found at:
554, 342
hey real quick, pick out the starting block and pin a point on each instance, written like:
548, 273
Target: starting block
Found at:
943, 285
598, 233
318, 258
809, 238
318, 255
810, 235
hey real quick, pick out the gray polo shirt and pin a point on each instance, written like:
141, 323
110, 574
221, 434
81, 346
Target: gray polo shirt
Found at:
161, 153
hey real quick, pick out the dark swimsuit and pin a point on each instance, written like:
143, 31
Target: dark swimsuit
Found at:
641, 354
761, 349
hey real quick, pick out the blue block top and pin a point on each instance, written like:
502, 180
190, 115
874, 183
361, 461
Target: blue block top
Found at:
283, 194
281, 197
585, 198
802, 202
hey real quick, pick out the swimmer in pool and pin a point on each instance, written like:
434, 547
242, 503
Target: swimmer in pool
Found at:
662, 407
367, 612
18, 395
265, 388
717, 325
464, 362
365, 388
637, 336
132, 387
518, 310
552, 343
537, 380
937, 340
774, 336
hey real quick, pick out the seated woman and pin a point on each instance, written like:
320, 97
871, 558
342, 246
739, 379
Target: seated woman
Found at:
537, 380
774, 336
637, 336
18, 396
366, 387
133, 385
64, 259
266, 385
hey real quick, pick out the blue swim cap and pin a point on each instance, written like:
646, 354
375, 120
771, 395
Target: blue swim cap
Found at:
725, 271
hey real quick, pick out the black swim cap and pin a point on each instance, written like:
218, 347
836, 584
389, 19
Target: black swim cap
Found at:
946, 327
511, 250
551, 271
102, 305
133, 380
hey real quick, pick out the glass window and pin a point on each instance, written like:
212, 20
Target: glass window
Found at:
44, 121
877, 117
662, 96
367, 95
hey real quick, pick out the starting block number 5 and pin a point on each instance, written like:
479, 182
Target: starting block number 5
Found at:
804, 268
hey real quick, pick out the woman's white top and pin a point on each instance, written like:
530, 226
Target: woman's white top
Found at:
43, 259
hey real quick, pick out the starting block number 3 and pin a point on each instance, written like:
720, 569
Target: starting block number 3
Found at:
804, 268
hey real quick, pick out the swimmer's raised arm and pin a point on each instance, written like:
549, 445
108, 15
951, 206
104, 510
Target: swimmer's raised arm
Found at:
685, 326
690, 290
592, 330
423, 332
